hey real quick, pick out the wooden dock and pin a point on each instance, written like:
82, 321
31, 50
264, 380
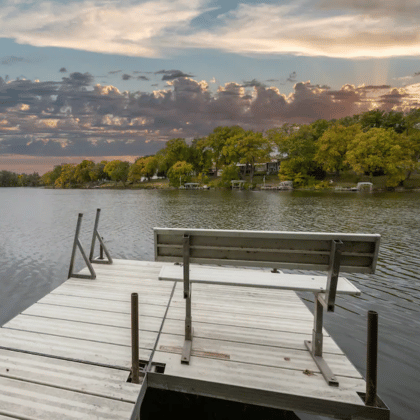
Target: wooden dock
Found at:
69, 355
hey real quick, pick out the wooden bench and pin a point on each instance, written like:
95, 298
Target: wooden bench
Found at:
330, 252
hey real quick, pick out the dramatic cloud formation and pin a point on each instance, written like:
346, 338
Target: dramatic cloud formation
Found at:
74, 118
158, 28
300, 28
129, 28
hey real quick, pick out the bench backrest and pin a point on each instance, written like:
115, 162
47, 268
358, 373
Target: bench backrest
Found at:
287, 250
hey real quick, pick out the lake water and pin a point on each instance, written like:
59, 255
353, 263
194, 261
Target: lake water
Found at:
37, 230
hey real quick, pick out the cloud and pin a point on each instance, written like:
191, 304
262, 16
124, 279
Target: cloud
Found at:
417, 73
407, 9
301, 29
142, 78
253, 83
73, 118
63, 70
343, 28
112, 27
292, 77
126, 76
11, 59
77, 79
172, 74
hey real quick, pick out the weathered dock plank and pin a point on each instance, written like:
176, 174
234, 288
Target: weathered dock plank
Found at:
69, 355
65, 374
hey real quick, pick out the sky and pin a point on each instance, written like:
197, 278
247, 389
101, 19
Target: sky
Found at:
107, 79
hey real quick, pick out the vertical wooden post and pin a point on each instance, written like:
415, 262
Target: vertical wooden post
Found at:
135, 370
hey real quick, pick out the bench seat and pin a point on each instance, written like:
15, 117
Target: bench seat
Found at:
256, 278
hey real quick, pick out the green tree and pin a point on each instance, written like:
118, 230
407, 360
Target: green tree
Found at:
297, 151
247, 148
82, 172
176, 150
372, 119
67, 176
143, 167
117, 171
179, 173
50, 177
412, 126
29, 180
8, 179
96, 172
230, 173
217, 140
200, 155
381, 150
332, 147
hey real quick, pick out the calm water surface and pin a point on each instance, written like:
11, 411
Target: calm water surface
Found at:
37, 230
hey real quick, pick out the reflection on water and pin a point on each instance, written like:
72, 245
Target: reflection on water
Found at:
37, 229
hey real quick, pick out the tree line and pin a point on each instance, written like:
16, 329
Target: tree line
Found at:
12, 179
373, 143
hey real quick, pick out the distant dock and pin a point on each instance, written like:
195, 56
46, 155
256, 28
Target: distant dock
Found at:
69, 354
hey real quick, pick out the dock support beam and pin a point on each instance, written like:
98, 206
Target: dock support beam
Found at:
186, 352
135, 368
372, 359
77, 244
101, 242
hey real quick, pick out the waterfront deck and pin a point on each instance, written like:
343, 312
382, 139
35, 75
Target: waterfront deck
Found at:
69, 354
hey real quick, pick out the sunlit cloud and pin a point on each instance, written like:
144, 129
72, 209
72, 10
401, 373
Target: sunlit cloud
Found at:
74, 118
279, 29
331, 28
127, 28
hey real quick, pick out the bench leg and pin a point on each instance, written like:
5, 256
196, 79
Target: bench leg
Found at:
186, 352
315, 346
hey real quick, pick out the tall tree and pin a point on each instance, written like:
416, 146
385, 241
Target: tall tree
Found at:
67, 176
179, 173
298, 153
117, 170
176, 150
381, 150
96, 172
216, 141
143, 167
82, 171
332, 147
247, 148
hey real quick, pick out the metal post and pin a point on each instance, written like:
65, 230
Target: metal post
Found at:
333, 272
315, 346
372, 358
76, 237
101, 252
135, 370
317, 338
102, 247
95, 230
186, 353
78, 244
